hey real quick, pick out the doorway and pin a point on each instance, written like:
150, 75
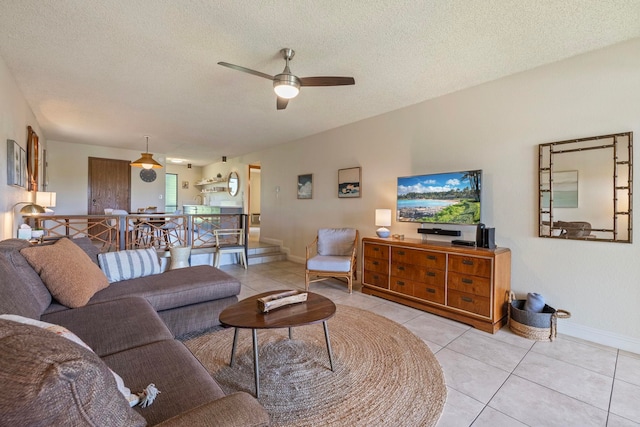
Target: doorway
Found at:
255, 212
109, 185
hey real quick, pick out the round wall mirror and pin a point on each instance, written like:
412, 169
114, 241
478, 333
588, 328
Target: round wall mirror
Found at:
234, 183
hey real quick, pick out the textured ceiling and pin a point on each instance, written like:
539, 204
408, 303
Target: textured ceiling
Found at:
109, 72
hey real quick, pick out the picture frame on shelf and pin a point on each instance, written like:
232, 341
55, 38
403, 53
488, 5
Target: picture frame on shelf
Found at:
349, 182
305, 186
13, 163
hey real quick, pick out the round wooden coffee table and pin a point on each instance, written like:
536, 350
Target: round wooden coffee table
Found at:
246, 315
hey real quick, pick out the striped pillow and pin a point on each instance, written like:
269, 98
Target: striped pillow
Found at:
124, 265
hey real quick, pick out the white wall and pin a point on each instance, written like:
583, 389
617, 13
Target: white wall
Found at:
68, 176
495, 127
190, 175
15, 116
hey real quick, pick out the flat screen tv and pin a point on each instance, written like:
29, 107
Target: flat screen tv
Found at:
441, 198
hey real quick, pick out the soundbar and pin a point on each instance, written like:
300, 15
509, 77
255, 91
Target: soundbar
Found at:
439, 231
463, 242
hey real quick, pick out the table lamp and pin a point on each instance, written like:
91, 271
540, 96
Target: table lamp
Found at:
383, 219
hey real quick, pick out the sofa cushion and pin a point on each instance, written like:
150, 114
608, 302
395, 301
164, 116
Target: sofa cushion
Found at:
65, 333
66, 270
336, 241
131, 264
329, 263
113, 326
183, 382
88, 247
49, 380
175, 288
21, 289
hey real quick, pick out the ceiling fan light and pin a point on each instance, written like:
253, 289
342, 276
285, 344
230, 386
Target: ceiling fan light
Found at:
286, 86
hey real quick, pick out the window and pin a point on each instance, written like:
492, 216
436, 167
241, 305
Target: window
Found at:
171, 192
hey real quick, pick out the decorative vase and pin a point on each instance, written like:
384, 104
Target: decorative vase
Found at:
179, 257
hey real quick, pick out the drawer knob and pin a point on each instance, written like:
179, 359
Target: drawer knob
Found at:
467, 281
376, 263
431, 290
399, 283
401, 268
431, 257
376, 249
376, 277
431, 274
467, 299
467, 262
400, 252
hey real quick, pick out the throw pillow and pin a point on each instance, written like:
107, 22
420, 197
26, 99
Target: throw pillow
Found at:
49, 380
65, 333
336, 241
131, 264
67, 271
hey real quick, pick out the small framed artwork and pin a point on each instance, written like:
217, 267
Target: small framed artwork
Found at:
13, 163
23, 181
185, 185
305, 186
349, 182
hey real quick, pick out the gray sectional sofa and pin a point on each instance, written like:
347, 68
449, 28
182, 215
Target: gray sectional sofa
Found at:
130, 326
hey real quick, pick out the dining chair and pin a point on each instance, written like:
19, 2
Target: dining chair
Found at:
230, 241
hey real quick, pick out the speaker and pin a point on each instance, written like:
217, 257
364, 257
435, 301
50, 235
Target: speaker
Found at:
489, 238
480, 235
439, 231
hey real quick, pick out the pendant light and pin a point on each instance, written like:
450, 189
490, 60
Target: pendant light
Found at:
146, 161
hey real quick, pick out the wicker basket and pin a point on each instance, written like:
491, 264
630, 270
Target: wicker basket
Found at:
536, 326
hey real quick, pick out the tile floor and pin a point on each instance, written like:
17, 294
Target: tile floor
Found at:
495, 380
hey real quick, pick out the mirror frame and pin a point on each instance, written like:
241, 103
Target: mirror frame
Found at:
621, 145
233, 191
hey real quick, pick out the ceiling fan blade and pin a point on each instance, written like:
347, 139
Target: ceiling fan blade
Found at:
246, 70
326, 81
281, 103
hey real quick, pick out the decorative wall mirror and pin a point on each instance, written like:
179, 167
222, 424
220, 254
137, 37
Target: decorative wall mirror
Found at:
234, 183
585, 188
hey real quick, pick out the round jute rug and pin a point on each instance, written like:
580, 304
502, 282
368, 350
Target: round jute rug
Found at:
383, 374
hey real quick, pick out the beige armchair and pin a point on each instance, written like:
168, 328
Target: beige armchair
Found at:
332, 254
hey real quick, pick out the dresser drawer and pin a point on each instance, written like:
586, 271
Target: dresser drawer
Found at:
416, 257
376, 279
470, 265
475, 285
429, 292
401, 285
376, 265
469, 302
376, 251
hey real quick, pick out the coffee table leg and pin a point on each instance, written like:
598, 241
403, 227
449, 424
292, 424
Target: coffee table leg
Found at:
326, 337
233, 348
256, 368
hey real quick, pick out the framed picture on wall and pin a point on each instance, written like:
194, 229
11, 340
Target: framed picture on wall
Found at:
305, 186
349, 183
13, 163
185, 185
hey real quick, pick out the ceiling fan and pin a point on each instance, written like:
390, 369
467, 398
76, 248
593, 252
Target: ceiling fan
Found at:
287, 85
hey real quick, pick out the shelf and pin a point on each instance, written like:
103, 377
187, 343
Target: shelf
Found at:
210, 181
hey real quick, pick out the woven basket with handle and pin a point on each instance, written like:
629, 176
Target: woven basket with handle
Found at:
536, 326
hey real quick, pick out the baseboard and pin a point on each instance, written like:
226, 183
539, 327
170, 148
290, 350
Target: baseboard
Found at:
599, 336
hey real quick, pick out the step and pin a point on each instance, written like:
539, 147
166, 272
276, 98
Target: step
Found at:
260, 253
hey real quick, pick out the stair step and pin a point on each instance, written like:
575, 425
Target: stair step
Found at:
261, 253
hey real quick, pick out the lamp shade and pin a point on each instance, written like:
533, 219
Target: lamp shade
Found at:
31, 209
383, 217
146, 160
46, 199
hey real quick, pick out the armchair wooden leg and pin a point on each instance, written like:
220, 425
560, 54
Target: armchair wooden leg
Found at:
306, 280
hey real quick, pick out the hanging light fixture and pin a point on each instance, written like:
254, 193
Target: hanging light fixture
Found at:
146, 161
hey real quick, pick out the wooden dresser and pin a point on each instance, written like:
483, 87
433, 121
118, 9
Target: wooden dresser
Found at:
467, 284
